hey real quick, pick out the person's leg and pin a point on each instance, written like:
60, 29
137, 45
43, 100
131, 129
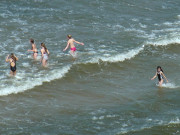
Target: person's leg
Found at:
72, 51
14, 73
160, 83
35, 56
44, 62
11, 73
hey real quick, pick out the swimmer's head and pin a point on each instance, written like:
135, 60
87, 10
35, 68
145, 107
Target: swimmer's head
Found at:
159, 69
32, 41
42, 44
12, 56
69, 36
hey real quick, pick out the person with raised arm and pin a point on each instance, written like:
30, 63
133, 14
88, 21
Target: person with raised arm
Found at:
12, 60
70, 43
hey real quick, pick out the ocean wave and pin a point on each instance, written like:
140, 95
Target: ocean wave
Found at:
27, 84
131, 53
119, 57
175, 121
134, 52
57, 74
157, 123
165, 42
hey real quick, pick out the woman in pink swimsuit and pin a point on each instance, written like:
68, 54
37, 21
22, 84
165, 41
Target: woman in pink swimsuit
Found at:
71, 44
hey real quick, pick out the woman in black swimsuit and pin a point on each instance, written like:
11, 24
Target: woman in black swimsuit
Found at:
160, 75
34, 49
12, 60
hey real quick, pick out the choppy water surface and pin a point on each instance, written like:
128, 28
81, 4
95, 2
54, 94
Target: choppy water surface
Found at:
107, 90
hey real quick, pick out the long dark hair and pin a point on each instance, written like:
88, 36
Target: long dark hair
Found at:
160, 68
43, 45
13, 57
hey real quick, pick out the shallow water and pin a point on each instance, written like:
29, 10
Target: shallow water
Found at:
107, 90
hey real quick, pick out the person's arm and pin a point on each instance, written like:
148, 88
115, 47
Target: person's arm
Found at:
48, 52
66, 47
164, 76
7, 58
30, 50
42, 54
16, 58
78, 42
154, 76
33, 48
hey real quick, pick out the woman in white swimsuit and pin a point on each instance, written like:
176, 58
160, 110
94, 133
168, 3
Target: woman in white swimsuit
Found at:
44, 55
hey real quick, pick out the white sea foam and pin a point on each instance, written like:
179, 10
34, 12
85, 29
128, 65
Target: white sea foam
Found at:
119, 57
165, 42
175, 121
101, 117
95, 118
142, 25
27, 84
126, 129
168, 23
169, 85
111, 116
178, 16
25, 64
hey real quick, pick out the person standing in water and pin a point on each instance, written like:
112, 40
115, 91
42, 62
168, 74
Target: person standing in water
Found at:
34, 49
44, 55
71, 44
160, 75
12, 60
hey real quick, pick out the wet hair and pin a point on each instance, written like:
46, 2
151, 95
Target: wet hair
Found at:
13, 57
43, 45
160, 68
32, 41
69, 36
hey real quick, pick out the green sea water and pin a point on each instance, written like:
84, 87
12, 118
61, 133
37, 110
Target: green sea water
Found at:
107, 90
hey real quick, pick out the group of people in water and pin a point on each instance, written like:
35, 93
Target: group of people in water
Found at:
44, 53
70, 43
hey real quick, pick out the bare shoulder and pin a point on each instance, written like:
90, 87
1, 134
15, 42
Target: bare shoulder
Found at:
34, 45
71, 40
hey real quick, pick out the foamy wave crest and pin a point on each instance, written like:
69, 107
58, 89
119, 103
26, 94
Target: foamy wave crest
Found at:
169, 85
155, 123
52, 75
119, 57
175, 121
165, 42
